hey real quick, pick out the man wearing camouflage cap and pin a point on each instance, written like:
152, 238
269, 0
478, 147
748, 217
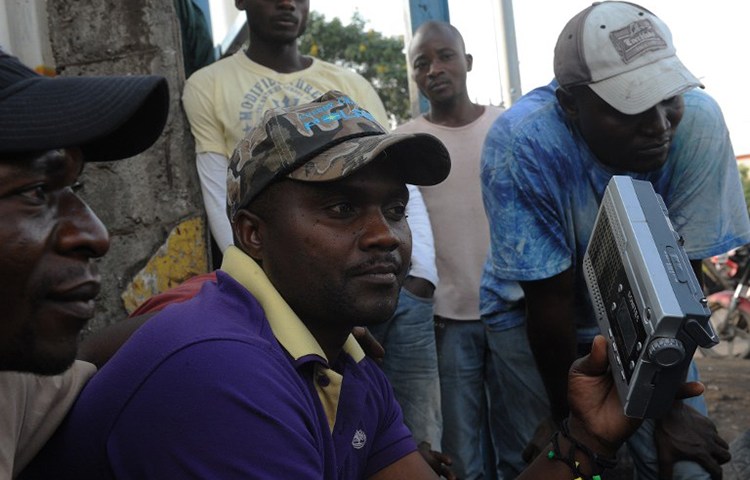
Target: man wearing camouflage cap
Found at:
258, 376
247, 376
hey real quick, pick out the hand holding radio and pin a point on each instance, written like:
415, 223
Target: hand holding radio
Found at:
596, 414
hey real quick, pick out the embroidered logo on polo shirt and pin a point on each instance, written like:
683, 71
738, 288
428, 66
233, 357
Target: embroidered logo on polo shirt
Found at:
359, 439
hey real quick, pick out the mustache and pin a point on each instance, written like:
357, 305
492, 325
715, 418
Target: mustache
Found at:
436, 81
388, 262
287, 17
70, 276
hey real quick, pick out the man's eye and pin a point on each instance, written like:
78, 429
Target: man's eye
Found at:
341, 209
77, 186
420, 65
37, 194
397, 212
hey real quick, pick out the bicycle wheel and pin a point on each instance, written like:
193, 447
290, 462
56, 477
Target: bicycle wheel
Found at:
733, 331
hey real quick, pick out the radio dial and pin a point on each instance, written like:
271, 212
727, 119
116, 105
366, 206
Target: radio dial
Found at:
666, 352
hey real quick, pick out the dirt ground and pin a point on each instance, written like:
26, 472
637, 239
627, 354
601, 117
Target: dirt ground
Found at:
727, 394
727, 382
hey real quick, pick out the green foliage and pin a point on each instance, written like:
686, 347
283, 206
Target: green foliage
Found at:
745, 177
379, 59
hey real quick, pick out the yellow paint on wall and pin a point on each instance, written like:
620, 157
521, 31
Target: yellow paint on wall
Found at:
46, 70
183, 255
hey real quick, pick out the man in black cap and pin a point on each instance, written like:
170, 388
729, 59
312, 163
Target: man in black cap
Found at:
257, 376
48, 128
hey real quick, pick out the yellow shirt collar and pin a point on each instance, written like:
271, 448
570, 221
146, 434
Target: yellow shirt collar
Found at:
288, 329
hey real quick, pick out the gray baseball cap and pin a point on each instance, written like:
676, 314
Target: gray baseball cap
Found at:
624, 53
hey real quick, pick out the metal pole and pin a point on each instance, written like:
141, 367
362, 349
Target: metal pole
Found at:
507, 53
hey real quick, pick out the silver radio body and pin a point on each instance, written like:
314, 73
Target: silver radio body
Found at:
646, 297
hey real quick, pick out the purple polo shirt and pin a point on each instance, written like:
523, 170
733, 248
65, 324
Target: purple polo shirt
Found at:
205, 390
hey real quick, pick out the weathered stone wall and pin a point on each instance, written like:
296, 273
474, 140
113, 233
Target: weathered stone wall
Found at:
143, 200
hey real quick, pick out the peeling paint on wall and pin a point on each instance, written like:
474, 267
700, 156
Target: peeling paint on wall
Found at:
182, 256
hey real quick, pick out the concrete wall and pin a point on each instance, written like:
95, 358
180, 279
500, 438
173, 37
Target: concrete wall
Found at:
150, 203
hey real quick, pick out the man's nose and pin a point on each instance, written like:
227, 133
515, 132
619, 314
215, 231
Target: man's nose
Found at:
79, 230
655, 120
436, 68
379, 232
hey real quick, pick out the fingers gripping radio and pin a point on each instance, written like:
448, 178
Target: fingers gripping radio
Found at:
646, 297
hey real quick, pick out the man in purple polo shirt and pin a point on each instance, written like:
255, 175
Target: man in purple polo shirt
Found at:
258, 377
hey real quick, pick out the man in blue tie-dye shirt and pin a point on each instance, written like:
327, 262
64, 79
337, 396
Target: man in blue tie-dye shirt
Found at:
621, 103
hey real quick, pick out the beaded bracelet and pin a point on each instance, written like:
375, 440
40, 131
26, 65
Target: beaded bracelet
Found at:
570, 461
556, 454
601, 461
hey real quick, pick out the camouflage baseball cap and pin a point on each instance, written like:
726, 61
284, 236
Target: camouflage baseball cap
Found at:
326, 139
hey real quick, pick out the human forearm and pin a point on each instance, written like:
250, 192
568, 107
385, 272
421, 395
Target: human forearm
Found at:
575, 450
553, 347
596, 424
212, 173
552, 466
411, 467
423, 243
98, 347
552, 335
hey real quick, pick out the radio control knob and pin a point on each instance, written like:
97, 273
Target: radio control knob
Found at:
666, 352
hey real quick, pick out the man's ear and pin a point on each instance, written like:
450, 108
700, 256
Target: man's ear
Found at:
248, 234
567, 102
469, 62
240, 4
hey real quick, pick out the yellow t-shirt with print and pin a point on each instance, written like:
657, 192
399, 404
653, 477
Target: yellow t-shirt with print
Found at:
225, 100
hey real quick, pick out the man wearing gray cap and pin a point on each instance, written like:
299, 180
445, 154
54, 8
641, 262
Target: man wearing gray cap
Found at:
257, 376
49, 127
621, 103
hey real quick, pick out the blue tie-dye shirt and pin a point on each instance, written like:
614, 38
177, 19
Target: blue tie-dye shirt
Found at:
542, 187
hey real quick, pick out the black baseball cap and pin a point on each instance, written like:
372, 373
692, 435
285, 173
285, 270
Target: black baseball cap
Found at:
108, 117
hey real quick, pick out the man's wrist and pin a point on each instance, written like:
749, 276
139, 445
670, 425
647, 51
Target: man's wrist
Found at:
584, 462
575, 429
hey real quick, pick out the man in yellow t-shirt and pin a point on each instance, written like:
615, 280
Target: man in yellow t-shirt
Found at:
226, 99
